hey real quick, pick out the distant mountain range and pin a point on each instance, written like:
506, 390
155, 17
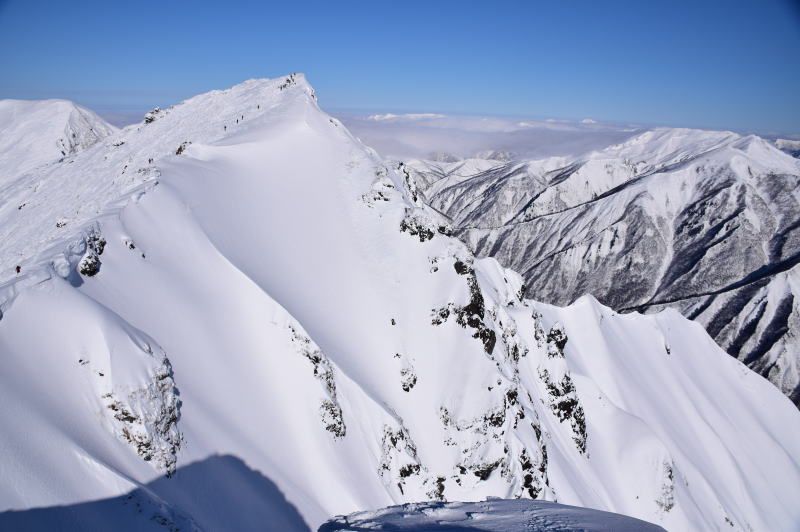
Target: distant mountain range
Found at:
706, 222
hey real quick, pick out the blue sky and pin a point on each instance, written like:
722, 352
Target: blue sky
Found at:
707, 63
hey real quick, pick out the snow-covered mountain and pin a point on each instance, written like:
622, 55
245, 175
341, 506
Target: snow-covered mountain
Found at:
703, 221
33, 133
236, 314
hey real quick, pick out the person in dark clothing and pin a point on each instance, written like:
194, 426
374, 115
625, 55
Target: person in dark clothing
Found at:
19, 269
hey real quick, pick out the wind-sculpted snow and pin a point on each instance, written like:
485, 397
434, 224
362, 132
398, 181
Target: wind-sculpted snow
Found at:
41, 208
36, 133
705, 222
489, 516
281, 298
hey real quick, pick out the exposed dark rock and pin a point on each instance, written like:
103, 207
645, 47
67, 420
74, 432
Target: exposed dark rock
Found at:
565, 405
330, 410
408, 379
415, 227
182, 147
484, 471
556, 341
89, 265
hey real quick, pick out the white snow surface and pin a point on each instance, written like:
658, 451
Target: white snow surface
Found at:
278, 324
38, 132
492, 515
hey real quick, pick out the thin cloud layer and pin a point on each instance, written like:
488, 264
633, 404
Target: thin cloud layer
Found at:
437, 136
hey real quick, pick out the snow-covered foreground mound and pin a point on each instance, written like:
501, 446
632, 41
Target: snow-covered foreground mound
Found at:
33, 133
493, 515
264, 314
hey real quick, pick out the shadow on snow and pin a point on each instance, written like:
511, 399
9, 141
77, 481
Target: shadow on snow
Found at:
218, 493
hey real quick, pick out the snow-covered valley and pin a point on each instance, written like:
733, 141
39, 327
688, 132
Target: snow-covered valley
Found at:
236, 316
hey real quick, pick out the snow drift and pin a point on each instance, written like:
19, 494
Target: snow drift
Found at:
493, 515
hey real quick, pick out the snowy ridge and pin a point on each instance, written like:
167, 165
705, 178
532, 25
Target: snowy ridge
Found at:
34, 133
43, 209
702, 221
287, 319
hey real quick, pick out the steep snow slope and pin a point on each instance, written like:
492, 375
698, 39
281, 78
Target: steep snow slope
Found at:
264, 315
33, 133
702, 221
493, 515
